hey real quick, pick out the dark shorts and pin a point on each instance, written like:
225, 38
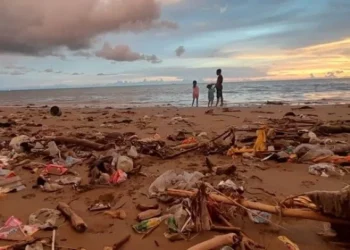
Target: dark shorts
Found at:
218, 93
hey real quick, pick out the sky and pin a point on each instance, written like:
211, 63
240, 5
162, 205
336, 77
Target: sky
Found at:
48, 43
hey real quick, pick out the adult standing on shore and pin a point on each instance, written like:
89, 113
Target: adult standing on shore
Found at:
219, 88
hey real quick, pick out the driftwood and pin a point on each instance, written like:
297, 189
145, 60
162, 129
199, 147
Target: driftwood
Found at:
186, 146
76, 221
148, 214
199, 211
333, 129
21, 245
227, 169
341, 149
216, 242
144, 207
287, 212
200, 145
79, 142
121, 243
334, 203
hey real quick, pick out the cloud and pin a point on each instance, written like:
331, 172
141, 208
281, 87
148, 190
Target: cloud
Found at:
333, 74
83, 54
199, 73
180, 51
17, 73
330, 75
104, 74
223, 9
16, 70
39, 27
123, 53
169, 2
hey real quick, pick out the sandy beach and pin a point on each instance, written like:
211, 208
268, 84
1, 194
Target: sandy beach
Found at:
270, 182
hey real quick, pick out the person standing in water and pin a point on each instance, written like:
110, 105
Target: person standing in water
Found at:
195, 93
211, 92
219, 88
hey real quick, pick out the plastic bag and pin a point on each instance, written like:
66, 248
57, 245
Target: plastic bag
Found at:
54, 169
316, 153
303, 149
51, 187
66, 180
308, 152
125, 163
133, 152
50, 217
16, 143
259, 217
324, 169
180, 217
118, 176
172, 179
260, 143
35, 246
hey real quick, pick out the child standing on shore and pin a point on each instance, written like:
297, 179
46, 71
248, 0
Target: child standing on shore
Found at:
211, 91
195, 93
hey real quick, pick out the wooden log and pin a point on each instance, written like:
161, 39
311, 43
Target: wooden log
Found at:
76, 141
144, 207
341, 149
227, 169
76, 221
186, 146
216, 242
121, 243
287, 212
333, 129
149, 214
21, 245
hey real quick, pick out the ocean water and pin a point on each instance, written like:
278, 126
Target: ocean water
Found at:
327, 91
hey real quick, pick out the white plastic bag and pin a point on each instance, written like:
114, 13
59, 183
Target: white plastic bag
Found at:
125, 163
324, 170
133, 152
172, 179
308, 152
16, 142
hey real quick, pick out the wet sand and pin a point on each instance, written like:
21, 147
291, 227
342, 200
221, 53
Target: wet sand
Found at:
280, 179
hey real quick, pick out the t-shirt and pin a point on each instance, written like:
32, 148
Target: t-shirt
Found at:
211, 93
219, 81
196, 91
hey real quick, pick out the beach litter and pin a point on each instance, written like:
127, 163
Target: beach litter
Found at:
15, 230
10, 182
44, 218
325, 170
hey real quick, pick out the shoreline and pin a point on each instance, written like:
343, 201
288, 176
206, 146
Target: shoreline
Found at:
126, 106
